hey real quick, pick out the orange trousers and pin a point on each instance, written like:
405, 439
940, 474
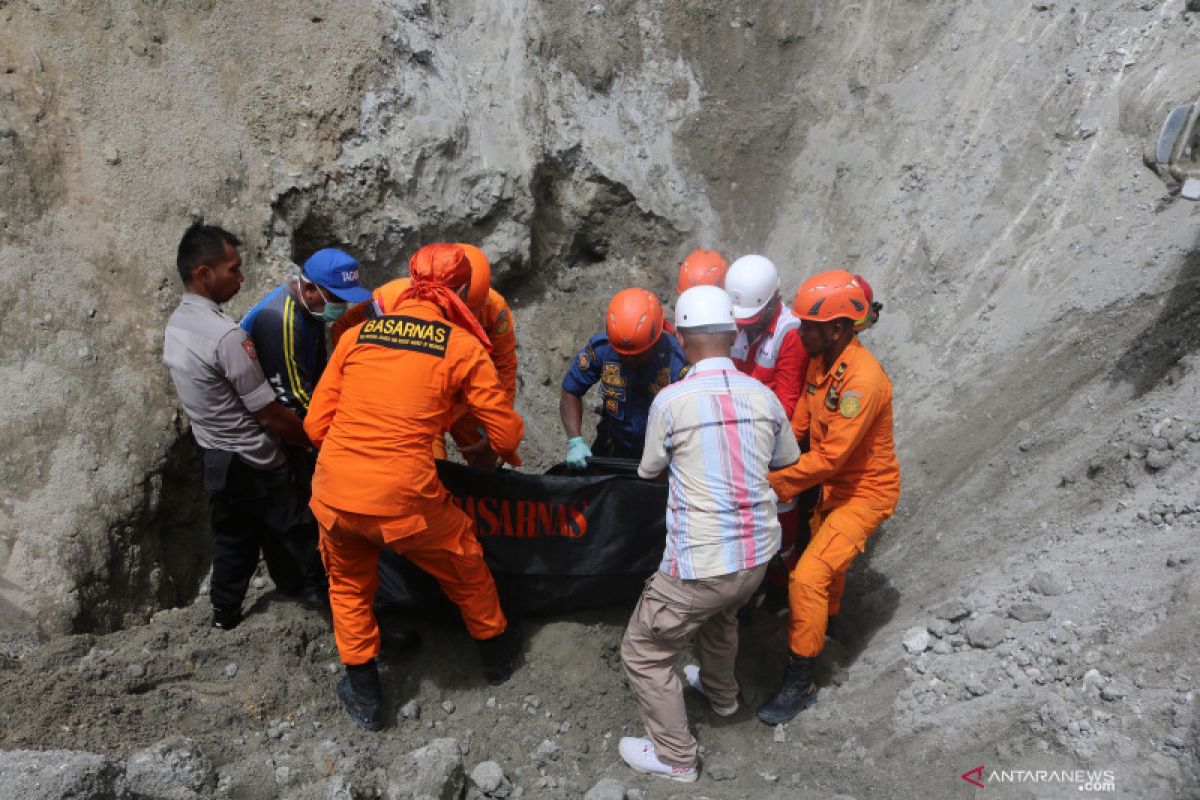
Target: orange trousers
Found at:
447, 550
816, 584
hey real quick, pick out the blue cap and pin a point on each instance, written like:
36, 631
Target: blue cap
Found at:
338, 272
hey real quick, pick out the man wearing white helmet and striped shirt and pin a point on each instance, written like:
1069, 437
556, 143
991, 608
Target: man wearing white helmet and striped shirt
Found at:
719, 432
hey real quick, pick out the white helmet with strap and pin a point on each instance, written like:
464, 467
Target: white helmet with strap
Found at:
706, 307
752, 282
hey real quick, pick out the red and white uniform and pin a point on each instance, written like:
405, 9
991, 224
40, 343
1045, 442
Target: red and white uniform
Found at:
776, 357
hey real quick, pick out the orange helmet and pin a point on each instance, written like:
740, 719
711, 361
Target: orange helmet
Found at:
831, 295
481, 277
635, 321
701, 268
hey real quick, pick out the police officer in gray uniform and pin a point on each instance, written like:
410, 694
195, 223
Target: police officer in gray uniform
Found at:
239, 426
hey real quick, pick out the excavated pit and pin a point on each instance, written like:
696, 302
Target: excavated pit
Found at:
979, 164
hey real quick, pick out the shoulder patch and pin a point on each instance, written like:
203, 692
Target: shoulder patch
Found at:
684, 371
406, 333
504, 324
586, 357
248, 346
850, 405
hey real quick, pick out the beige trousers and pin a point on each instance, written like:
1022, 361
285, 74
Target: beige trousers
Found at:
670, 614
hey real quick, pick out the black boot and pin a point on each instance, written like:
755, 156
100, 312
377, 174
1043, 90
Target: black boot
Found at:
361, 694
500, 653
798, 692
226, 619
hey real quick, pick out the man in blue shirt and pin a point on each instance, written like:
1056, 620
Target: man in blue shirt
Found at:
288, 325
632, 361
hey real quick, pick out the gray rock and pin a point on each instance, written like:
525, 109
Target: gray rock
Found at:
548, 749
721, 772
411, 710
952, 611
1050, 584
1158, 459
173, 769
488, 776
942, 647
606, 789
780, 734
635, 794
448, 706
61, 774
916, 640
1028, 612
231, 670
433, 771
985, 632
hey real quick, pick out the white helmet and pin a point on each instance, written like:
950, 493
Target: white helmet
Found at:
708, 307
751, 281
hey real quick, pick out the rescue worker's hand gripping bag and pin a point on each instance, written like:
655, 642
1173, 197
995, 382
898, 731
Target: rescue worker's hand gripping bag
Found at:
553, 543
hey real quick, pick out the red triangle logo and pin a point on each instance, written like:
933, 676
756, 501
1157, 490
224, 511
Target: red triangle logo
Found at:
978, 779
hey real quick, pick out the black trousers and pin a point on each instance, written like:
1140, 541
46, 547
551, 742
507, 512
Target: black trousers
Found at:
261, 511
606, 447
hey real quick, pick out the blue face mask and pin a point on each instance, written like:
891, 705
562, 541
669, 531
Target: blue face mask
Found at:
333, 311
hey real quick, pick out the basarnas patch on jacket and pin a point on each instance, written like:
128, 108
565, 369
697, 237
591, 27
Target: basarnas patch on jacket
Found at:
850, 405
586, 357
406, 333
248, 346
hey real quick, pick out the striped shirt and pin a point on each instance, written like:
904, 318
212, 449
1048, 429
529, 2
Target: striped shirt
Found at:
720, 432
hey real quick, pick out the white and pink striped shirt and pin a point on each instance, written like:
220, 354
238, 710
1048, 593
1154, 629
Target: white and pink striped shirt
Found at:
720, 432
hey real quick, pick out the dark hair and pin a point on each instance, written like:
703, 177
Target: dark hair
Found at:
202, 244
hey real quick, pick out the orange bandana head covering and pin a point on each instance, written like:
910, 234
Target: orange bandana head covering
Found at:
437, 272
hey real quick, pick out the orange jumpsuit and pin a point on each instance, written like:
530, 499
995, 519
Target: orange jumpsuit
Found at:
382, 401
497, 320
846, 415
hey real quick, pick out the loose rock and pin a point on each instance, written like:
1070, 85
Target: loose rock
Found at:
985, 632
916, 640
606, 789
488, 776
1049, 584
1028, 612
174, 769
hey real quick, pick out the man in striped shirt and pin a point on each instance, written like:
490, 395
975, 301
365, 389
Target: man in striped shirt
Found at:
719, 432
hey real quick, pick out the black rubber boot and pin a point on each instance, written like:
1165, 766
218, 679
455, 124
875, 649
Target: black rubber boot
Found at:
500, 653
226, 619
798, 692
361, 694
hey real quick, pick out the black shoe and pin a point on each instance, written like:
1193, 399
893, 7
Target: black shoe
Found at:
798, 692
500, 653
226, 619
362, 696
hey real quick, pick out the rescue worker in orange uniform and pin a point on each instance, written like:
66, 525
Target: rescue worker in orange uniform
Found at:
383, 399
845, 416
701, 268
491, 310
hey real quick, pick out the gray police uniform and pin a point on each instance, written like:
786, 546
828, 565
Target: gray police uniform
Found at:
256, 502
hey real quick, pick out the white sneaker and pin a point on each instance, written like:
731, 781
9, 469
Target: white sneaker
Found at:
639, 754
692, 673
